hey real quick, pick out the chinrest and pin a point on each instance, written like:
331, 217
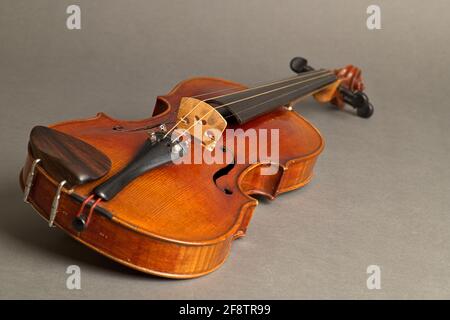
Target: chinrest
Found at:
65, 157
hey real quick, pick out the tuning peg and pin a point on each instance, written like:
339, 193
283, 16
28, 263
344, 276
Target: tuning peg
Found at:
355, 98
358, 100
299, 65
365, 112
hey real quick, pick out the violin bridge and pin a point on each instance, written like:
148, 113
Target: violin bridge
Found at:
201, 120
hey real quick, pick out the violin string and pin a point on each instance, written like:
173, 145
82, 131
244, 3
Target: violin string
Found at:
244, 99
298, 77
273, 90
257, 105
321, 72
302, 76
256, 85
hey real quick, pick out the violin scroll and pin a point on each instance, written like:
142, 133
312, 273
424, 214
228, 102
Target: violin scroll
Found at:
351, 77
350, 88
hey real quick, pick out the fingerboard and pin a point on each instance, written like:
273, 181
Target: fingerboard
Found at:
248, 104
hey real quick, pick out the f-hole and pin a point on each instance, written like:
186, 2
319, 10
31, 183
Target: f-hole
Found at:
223, 172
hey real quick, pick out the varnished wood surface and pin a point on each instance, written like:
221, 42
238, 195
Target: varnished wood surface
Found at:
66, 157
175, 221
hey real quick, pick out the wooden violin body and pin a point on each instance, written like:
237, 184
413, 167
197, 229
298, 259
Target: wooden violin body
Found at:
175, 221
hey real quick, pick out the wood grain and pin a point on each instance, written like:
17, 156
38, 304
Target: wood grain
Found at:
66, 157
175, 221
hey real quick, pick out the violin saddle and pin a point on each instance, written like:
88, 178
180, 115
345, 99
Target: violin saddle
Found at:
65, 157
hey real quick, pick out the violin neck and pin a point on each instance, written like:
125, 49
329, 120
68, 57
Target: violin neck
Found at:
250, 103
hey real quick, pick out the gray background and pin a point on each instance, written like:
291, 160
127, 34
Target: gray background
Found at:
381, 190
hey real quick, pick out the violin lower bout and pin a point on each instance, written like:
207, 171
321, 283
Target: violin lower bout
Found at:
190, 235
149, 254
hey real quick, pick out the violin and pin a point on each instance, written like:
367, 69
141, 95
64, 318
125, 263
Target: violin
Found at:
131, 191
